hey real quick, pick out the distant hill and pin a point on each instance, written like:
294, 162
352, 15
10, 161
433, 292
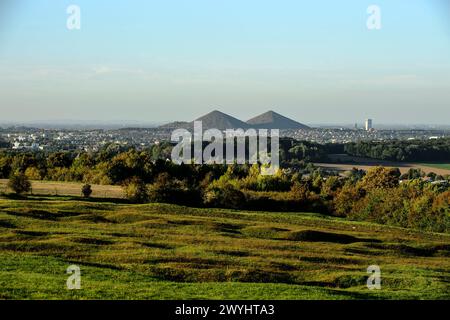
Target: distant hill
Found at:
273, 120
176, 125
221, 121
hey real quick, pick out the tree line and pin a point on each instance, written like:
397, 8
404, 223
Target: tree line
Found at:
148, 176
113, 164
398, 150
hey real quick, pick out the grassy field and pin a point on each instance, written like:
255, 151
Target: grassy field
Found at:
68, 189
344, 162
157, 251
445, 166
441, 169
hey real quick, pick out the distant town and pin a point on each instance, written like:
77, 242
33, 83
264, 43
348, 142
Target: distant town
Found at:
90, 139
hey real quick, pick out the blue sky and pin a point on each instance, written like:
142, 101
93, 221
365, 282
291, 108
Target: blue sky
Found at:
315, 61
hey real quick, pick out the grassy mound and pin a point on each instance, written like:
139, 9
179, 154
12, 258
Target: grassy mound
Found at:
158, 251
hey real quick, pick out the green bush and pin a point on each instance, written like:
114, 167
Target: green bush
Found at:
86, 190
19, 183
404, 207
166, 189
136, 191
224, 196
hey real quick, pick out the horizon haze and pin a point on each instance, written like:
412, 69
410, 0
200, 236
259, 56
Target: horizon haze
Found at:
157, 62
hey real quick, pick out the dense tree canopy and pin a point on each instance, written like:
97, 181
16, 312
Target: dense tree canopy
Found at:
396, 150
147, 175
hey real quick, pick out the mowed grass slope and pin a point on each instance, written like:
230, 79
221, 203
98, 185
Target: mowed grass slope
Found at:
157, 251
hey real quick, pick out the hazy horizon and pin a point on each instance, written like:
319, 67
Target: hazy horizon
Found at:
157, 62
325, 122
97, 123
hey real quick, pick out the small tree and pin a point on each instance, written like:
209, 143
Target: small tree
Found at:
300, 191
226, 196
380, 178
166, 189
33, 173
330, 186
86, 190
19, 183
136, 190
346, 198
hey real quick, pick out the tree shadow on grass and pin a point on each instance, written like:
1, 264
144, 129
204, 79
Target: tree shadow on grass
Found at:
34, 197
321, 236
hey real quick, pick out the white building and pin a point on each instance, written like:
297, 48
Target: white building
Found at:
368, 124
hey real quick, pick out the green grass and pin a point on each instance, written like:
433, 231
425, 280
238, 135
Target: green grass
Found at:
438, 165
158, 251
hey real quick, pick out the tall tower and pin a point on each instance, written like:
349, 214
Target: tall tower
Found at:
368, 124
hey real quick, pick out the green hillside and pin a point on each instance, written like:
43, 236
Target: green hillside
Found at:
157, 251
